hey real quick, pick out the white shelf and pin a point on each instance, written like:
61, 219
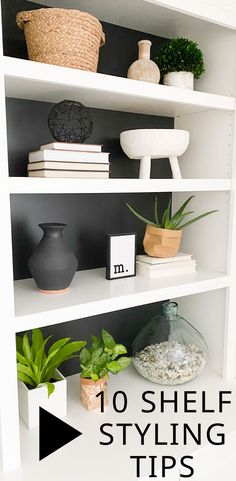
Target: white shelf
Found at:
92, 461
25, 185
221, 12
36, 81
91, 294
164, 17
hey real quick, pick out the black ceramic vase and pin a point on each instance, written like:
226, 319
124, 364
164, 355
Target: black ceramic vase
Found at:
52, 264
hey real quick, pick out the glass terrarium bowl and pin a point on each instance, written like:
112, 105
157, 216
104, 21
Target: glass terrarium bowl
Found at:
169, 350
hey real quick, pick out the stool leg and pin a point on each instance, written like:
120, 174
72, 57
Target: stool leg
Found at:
145, 167
174, 164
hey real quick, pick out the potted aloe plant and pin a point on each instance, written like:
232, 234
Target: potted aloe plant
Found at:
180, 61
103, 357
162, 237
39, 381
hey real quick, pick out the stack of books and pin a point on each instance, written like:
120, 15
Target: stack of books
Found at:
69, 160
157, 267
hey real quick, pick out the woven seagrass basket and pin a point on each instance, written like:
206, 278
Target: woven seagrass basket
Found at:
62, 37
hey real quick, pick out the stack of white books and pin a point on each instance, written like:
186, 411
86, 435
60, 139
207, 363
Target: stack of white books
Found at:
157, 267
60, 159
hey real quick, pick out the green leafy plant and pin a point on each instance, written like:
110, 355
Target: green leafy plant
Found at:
35, 366
103, 356
180, 54
168, 221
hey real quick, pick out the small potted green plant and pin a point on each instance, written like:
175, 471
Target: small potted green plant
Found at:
39, 381
180, 61
103, 357
162, 238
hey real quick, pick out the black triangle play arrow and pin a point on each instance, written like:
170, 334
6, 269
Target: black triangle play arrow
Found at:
53, 433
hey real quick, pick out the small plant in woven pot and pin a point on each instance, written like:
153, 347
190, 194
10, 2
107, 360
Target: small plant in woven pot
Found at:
182, 56
162, 237
104, 356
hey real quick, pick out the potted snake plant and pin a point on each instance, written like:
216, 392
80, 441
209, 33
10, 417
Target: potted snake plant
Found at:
39, 381
162, 237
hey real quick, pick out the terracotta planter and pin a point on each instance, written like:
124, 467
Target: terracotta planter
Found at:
159, 242
88, 391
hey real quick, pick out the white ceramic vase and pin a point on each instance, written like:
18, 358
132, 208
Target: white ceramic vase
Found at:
31, 399
182, 80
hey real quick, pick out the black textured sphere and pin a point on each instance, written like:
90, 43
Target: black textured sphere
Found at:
70, 121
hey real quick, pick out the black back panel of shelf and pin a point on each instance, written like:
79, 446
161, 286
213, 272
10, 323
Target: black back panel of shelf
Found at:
89, 216
27, 130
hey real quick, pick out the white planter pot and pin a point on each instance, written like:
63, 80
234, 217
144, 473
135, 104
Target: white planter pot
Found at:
31, 399
182, 80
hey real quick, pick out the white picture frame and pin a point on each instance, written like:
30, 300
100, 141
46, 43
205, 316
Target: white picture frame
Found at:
121, 255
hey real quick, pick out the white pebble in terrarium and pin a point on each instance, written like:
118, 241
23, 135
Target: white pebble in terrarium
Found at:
178, 352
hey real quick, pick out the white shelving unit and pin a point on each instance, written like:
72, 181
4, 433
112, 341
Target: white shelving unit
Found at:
208, 169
